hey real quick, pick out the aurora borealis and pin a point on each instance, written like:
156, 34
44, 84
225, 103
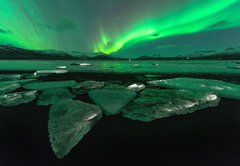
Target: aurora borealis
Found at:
120, 26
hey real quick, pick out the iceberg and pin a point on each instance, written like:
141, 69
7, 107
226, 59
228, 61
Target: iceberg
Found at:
53, 96
14, 99
69, 121
49, 85
112, 98
8, 88
153, 104
224, 89
83, 87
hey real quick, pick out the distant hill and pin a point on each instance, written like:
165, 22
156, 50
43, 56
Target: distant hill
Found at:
228, 54
232, 56
11, 52
106, 57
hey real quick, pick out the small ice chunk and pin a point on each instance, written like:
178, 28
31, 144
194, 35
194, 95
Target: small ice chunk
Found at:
49, 85
61, 67
69, 121
80, 64
153, 104
84, 87
14, 99
84, 64
53, 96
50, 72
29, 76
112, 98
136, 87
211, 97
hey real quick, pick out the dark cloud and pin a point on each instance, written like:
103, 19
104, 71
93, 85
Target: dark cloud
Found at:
66, 25
2, 31
218, 24
45, 26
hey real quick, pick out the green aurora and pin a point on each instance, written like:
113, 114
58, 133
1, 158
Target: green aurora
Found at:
43, 25
17, 17
194, 18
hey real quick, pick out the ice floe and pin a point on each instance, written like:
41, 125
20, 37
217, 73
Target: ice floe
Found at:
84, 87
14, 99
112, 98
8, 88
53, 96
69, 121
224, 89
152, 104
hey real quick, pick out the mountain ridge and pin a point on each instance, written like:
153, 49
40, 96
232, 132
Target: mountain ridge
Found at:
9, 52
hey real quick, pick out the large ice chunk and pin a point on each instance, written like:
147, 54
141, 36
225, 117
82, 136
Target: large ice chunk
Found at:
152, 104
8, 88
49, 85
69, 121
83, 87
53, 96
112, 98
14, 99
224, 89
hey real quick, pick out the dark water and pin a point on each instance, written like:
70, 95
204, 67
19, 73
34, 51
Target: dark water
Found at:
206, 137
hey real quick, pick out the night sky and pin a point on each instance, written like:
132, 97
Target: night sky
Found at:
121, 27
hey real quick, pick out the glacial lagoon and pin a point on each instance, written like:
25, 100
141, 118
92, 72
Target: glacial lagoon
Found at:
211, 67
164, 99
